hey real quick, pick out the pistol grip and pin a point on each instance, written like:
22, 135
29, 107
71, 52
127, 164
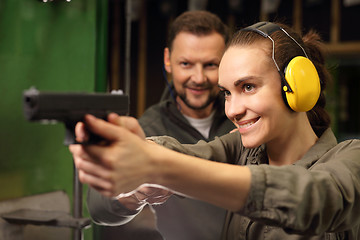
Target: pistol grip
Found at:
70, 137
70, 133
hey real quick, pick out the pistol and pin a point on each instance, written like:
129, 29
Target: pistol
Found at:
71, 107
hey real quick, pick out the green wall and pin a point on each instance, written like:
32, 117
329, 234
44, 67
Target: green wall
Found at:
51, 46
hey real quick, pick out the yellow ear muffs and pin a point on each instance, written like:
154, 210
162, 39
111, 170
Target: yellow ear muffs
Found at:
301, 85
303, 79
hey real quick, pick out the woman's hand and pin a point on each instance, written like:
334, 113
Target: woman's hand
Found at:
118, 165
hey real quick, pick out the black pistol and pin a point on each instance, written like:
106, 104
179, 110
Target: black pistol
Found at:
71, 107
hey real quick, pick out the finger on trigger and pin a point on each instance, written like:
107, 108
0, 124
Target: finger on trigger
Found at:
102, 128
130, 123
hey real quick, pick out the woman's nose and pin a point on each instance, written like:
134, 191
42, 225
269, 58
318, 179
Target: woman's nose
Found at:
235, 108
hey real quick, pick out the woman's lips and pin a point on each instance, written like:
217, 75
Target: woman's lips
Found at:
247, 123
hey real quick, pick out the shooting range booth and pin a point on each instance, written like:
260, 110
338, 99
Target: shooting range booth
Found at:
101, 45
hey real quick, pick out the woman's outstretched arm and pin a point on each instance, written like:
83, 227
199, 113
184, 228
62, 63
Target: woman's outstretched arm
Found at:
127, 161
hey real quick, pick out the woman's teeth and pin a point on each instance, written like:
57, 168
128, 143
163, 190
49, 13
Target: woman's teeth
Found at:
247, 124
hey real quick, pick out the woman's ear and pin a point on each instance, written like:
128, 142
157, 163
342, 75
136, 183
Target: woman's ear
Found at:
167, 64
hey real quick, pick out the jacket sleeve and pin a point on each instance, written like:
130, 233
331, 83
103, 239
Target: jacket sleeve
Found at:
227, 148
324, 198
107, 211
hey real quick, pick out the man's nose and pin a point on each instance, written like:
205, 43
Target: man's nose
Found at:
199, 74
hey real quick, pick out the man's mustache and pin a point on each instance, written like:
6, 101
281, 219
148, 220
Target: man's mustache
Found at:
205, 85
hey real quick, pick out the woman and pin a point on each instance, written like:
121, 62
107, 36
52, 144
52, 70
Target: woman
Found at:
292, 180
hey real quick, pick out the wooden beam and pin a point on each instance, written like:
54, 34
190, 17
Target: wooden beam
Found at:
335, 21
343, 49
264, 17
115, 53
141, 81
297, 16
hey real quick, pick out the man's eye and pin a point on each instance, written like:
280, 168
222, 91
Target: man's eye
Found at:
184, 64
212, 65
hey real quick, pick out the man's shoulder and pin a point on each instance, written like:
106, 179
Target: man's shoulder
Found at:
151, 112
153, 120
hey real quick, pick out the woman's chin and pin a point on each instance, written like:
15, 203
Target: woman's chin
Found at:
250, 143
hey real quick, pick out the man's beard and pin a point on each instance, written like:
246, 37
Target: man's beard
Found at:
210, 100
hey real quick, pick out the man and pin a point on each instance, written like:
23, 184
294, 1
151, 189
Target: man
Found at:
196, 43
192, 110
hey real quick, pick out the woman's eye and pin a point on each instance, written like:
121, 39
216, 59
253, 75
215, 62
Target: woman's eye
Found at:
226, 93
248, 87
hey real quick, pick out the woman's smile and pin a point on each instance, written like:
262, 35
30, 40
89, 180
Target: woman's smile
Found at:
245, 125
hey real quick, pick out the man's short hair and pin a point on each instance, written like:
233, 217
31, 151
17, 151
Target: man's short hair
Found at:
199, 23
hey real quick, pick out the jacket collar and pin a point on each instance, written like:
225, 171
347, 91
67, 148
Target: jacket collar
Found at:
324, 144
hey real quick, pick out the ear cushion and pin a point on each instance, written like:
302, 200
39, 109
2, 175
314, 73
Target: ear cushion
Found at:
303, 79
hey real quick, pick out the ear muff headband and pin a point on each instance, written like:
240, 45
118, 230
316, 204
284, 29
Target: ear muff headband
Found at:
301, 83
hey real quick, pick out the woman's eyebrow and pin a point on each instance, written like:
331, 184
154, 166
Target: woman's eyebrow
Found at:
239, 81
222, 88
236, 83
219, 86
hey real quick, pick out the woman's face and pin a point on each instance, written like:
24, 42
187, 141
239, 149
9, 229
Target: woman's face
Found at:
252, 87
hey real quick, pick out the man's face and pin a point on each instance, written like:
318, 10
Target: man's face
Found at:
193, 63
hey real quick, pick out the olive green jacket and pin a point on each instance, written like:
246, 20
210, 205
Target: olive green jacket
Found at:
318, 197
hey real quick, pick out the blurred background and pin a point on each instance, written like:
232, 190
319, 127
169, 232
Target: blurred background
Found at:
100, 45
